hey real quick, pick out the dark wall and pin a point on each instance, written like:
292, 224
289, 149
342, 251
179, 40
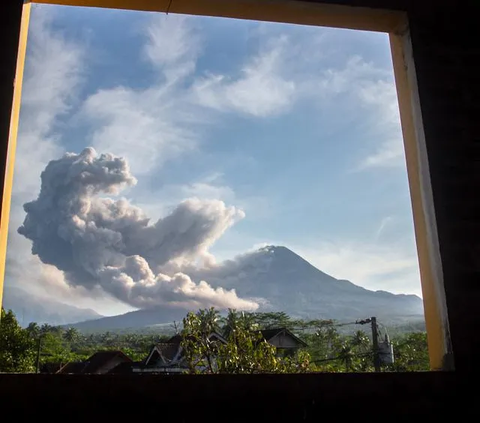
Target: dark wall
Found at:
448, 67
447, 63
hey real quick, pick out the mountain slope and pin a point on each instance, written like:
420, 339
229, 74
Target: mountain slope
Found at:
292, 284
30, 308
289, 283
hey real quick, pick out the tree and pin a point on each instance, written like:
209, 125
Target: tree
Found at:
45, 328
199, 349
411, 353
17, 348
33, 329
274, 319
245, 350
54, 348
71, 335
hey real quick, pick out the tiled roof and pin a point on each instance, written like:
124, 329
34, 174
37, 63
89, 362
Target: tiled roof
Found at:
74, 367
123, 368
101, 358
271, 333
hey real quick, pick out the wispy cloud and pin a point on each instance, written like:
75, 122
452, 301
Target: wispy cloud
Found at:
152, 125
380, 97
172, 46
383, 224
376, 266
259, 90
54, 72
149, 126
210, 187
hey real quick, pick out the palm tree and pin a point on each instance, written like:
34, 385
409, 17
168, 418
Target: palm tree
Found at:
45, 328
346, 355
33, 329
360, 340
71, 335
209, 320
234, 320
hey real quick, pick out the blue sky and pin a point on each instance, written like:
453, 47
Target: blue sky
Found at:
297, 126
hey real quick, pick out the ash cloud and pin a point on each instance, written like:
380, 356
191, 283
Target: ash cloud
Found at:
109, 243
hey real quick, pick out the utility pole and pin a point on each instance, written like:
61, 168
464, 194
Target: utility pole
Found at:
376, 356
376, 350
37, 366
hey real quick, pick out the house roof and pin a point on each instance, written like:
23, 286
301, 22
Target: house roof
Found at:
170, 355
124, 368
75, 367
170, 352
271, 333
51, 368
100, 358
167, 351
177, 339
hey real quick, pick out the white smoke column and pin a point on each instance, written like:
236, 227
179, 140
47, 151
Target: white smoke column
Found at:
98, 241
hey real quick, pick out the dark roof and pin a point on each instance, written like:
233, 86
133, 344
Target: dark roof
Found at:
167, 351
51, 368
100, 358
177, 339
124, 368
169, 355
271, 333
72, 367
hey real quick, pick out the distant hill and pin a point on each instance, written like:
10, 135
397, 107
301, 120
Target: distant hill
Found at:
31, 308
288, 283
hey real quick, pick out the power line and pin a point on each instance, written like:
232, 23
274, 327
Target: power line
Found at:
357, 322
345, 324
342, 358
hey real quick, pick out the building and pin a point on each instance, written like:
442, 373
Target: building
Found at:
442, 60
101, 362
168, 357
283, 340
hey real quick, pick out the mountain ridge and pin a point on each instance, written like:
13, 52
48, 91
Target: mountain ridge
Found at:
32, 308
288, 283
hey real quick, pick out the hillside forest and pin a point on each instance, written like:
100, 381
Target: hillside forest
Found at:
331, 346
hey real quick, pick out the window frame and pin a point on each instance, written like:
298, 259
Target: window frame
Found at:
395, 23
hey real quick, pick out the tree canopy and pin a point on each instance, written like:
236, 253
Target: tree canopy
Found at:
245, 351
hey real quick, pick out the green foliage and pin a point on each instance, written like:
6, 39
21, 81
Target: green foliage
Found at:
245, 350
16, 346
411, 353
199, 349
332, 352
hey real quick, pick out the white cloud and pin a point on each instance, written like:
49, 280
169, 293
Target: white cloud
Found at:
260, 90
376, 266
152, 125
385, 222
373, 90
380, 97
148, 126
53, 74
159, 203
353, 78
172, 46
389, 154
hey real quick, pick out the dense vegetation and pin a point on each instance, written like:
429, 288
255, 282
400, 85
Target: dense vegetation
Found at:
330, 347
